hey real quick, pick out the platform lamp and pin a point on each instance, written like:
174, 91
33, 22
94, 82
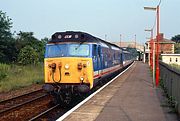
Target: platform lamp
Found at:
151, 47
157, 38
152, 54
120, 40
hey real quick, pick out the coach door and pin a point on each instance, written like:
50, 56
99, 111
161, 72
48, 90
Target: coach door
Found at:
97, 59
99, 51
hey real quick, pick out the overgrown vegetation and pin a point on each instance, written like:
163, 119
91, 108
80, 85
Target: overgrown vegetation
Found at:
176, 39
171, 102
15, 76
176, 66
21, 56
177, 48
4, 68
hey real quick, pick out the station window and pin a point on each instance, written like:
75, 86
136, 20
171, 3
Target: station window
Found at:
176, 60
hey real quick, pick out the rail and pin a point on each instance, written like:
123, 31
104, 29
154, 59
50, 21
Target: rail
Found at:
171, 80
43, 113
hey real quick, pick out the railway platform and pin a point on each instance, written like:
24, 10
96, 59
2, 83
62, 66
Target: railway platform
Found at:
130, 97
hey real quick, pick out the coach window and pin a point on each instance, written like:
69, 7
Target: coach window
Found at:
176, 60
170, 59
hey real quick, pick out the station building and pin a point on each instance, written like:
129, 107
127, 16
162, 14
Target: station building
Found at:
166, 46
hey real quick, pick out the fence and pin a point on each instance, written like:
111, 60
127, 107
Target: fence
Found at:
171, 79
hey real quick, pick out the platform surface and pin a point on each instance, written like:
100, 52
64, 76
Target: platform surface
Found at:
131, 97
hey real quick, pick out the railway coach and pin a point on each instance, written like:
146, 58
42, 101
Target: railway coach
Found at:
75, 62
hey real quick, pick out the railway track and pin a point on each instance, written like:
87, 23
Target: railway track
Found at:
32, 106
56, 111
24, 106
18, 101
51, 113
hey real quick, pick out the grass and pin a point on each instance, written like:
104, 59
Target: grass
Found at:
4, 68
175, 66
14, 76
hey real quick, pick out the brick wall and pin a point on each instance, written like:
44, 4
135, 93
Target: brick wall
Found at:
167, 48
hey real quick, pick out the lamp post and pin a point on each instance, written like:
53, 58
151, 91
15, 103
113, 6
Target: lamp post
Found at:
157, 39
151, 47
135, 40
152, 54
120, 40
157, 49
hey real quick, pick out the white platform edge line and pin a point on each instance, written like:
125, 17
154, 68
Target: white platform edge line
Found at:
88, 98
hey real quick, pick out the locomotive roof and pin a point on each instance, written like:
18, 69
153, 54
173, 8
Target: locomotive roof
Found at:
74, 36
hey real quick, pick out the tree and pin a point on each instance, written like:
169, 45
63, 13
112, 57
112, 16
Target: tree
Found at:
28, 55
27, 38
5, 26
133, 51
8, 51
177, 48
7, 48
44, 40
176, 38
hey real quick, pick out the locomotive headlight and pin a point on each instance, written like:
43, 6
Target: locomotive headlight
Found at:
66, 66
81, 78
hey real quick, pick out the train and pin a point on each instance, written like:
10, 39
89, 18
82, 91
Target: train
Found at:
75, 62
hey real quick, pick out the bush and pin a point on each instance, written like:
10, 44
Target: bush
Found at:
176, 66
27, 56
3, 70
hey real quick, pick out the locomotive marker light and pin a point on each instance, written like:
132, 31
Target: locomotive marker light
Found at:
66, 66
59, 36
76, 36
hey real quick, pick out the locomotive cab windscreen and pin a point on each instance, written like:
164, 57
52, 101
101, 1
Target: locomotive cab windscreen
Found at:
67, 50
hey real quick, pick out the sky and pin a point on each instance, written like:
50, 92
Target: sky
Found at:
97, 17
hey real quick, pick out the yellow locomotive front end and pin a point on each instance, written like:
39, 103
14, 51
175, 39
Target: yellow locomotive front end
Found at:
69, 71
68, 67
